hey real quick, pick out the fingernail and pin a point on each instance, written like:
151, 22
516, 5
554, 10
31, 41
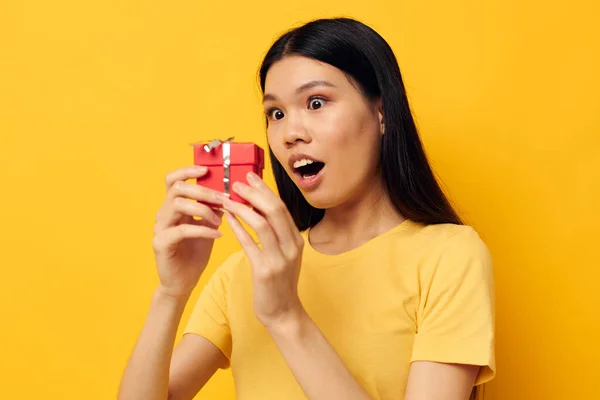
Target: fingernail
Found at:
252, 177
201, 168
221, 196
237, 186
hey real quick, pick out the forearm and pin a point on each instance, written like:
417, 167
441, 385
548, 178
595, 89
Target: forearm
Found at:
146, 375
314, 363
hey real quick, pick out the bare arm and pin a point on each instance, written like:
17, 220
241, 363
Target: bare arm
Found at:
182, 247
437, 381
154, 370
276, 269
315, 364
322, 374
195, 361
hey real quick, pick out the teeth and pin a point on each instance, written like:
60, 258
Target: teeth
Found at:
302, 163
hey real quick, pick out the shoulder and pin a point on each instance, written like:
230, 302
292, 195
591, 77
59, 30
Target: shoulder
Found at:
217, 282
230, 266
455, 317
233, 260
450, 238
454, 250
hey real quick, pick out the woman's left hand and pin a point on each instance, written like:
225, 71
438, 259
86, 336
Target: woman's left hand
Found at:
276, 267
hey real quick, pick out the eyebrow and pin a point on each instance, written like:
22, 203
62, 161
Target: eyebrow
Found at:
306, 86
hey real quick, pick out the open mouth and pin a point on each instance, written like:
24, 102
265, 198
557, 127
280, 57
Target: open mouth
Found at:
308, 168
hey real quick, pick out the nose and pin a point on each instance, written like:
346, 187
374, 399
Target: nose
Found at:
295, 131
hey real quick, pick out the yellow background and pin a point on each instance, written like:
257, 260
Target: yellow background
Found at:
99, 100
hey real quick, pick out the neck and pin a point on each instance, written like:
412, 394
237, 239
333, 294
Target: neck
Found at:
358, 221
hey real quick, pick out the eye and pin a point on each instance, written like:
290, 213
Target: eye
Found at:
275, 114
315, 103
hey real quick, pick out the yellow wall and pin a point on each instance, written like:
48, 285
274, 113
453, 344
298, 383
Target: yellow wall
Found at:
98, 100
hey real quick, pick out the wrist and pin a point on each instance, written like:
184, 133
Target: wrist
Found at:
164, 294
293, 325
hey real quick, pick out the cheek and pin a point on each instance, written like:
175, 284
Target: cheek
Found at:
276, 146
337, 128
349, 127
355, 141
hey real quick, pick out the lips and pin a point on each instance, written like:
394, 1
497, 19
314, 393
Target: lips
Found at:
305, 166
300, 157
309, 180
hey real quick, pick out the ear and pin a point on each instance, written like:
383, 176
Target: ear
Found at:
379, 109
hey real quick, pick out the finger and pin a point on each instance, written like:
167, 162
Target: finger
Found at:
211, 223
169, 237
255, 181
180, 206
195, 192
185, 173
260, 225
244, 238
273, 209
219, 213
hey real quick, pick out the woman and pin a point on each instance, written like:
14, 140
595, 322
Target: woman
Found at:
365, 283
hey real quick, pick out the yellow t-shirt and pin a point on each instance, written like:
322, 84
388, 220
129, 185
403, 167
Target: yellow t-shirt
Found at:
416, 292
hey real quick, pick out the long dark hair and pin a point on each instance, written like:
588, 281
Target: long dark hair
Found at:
366, 57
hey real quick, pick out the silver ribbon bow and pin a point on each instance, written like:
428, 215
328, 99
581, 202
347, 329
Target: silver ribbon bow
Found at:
226, 158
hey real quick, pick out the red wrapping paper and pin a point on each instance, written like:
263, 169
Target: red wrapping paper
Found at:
244, 157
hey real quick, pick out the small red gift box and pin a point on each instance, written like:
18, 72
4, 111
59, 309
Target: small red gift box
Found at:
228, 162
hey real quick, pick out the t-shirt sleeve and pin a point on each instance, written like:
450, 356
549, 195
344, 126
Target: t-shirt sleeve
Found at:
209, 317
455, 318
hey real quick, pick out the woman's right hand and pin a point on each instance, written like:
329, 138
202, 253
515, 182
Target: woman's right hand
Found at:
182, 244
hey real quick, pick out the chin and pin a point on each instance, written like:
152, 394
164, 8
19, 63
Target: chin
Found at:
322, 199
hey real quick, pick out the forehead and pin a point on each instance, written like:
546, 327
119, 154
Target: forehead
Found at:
293, 71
